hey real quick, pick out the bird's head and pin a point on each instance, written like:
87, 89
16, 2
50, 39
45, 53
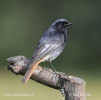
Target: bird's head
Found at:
61, 24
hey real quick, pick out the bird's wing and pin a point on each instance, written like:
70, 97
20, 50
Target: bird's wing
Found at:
45, 47
43, 50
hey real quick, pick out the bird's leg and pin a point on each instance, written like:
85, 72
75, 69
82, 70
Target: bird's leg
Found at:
42, 64
52, 66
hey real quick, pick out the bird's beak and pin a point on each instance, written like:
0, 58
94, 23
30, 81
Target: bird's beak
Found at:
70, 23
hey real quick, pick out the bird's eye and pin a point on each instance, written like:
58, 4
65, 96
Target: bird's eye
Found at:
65, 24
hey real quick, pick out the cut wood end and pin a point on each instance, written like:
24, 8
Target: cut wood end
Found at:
76, 80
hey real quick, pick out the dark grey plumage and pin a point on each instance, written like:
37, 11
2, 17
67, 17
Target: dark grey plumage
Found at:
50, 46
53, 41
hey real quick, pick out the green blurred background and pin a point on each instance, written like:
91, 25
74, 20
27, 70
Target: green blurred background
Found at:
22, 23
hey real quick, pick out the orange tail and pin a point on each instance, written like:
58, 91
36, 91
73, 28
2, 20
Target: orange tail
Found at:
30, 72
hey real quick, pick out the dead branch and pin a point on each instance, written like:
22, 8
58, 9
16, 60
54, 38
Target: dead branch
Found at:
72, 88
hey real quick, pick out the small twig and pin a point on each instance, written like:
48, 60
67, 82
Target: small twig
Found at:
72, 88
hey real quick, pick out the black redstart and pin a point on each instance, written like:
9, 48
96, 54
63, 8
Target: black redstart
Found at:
50, 46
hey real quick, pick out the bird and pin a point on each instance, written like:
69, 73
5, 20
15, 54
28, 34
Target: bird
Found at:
49, 47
